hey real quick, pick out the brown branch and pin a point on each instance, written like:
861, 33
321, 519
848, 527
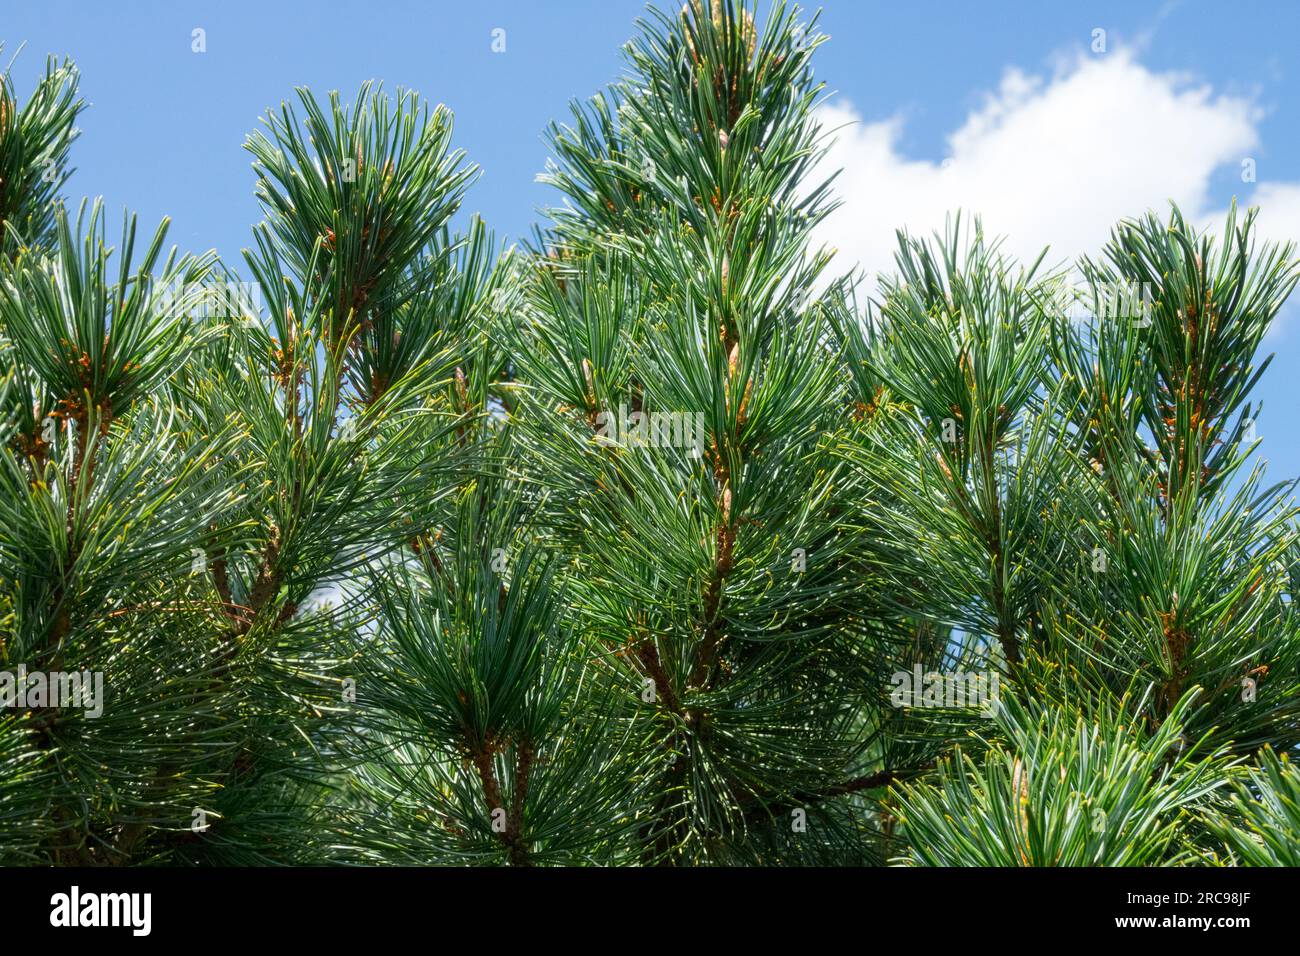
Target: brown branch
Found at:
514, 832
221, 580
511, 836
707, 653
648, 655
882, 778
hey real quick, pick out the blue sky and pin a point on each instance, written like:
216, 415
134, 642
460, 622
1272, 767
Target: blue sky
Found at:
1003, 108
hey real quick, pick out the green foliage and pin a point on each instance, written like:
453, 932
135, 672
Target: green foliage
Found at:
34, 143
196, 491
1263, 828
1061, 789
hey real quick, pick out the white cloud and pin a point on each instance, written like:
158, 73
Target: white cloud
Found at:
1053, 161
1279, 210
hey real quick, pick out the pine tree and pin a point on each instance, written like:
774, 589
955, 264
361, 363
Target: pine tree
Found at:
196, 490
658, 540
684, 403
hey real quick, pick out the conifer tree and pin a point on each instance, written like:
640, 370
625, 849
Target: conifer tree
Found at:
198, 488
682, 399
1138, 589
